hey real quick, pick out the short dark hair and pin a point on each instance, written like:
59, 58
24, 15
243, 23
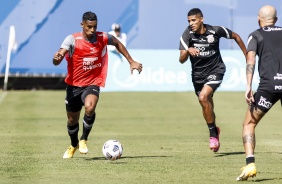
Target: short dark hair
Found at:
195, 11
116, 27
89, 16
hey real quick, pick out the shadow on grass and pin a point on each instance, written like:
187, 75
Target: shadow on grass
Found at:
128, 157
266, 179
229, 153
155, 156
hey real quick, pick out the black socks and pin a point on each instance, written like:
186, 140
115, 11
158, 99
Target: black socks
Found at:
212, 129
73, 133
87, 126
250, 159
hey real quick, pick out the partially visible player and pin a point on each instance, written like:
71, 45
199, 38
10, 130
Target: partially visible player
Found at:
266, 42
121, 36
87, 57
200, 43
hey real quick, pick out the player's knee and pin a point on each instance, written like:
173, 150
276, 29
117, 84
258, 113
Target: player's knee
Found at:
73, 118
90, 108
203, 99
72, 121
90, 105
250, 123
253, 117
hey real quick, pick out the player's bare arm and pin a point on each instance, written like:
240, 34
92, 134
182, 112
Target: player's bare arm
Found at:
134, 65
250, 68
240, 42
184, 54
59, 56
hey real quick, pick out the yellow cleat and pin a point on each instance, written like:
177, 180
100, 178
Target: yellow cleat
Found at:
247, 171
82, 147
70, 152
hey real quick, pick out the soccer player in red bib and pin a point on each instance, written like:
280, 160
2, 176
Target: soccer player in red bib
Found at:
87, 58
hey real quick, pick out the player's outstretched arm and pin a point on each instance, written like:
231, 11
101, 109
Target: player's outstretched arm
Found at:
240, 42
134, 65
59, 56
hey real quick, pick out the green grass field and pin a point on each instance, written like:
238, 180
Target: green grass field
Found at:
164, 137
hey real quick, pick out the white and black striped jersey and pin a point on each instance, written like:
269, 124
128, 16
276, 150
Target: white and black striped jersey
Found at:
266, 42
209, 60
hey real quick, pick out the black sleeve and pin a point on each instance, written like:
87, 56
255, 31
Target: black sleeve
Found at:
252, 43
110, 39
184, 40
223, 32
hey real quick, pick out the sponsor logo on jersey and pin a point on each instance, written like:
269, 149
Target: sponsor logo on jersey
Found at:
91, 67
278, 76
202, 40
272, 29
207, 53
89, 63
90, 59
262, 102
210, 38
100, 34
199, 40
279, 87
78, 38
202, 49
201, 45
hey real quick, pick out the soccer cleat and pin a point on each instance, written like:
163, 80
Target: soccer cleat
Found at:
82, 147
214, 142
247, 171
70, 152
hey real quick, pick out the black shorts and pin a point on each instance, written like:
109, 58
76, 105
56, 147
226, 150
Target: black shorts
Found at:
265, 100
213, 81
75, 96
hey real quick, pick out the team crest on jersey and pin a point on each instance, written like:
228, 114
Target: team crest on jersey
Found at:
210, 38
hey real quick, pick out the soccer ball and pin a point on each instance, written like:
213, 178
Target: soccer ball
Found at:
112, 150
